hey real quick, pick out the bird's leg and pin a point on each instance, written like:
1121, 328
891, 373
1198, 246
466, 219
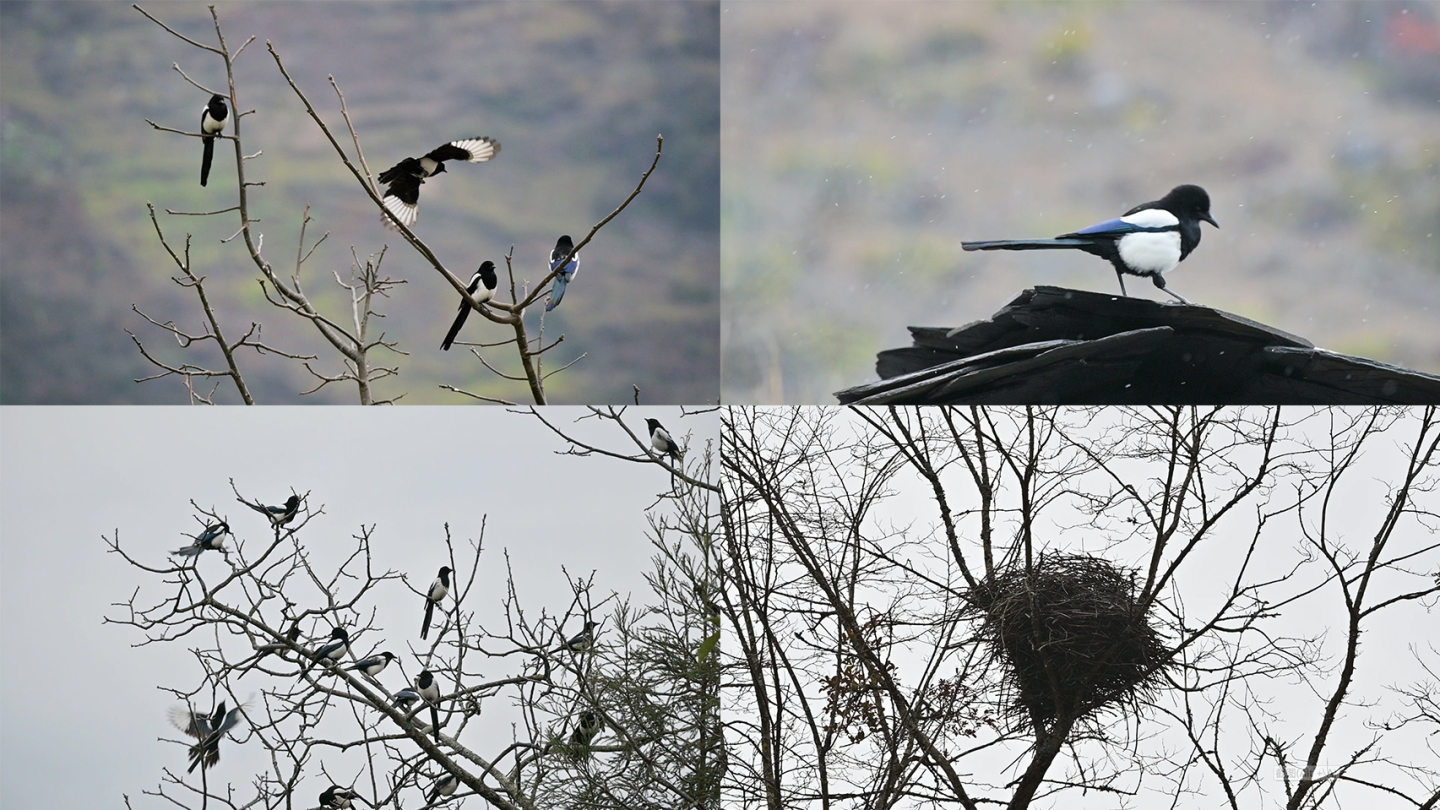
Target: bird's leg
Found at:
1160, 282
1121, 276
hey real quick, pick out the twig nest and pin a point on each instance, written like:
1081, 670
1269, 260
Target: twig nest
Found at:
1070, 635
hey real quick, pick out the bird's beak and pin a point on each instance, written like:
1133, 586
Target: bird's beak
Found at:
1210, 219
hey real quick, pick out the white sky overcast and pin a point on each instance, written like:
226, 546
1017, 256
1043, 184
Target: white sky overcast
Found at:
80, 714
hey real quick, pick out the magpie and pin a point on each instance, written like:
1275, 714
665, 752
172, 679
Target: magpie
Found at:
279, 515
332, 652
212, 121
337, 798
266, 649
438, 589
429, 690
586, 730
208, 730
660, 439
581, 641
402, 196
444, 787
212, 539
563, 248
1148, 240
372, 666
482, 288
404, 699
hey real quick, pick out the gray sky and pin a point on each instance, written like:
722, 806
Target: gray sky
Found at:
80, 705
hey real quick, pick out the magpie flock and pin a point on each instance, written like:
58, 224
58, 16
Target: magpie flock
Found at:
1149, 240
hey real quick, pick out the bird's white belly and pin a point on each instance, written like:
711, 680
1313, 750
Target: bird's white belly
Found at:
1150, 253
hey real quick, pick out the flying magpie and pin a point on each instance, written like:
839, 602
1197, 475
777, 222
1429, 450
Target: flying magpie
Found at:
208, 730
1149, 240
586, 730
212, 539
660, 439
581, 641
402, 196
482, 288
373, 665
444, 787
212, 121
337, 798
279, 515
429, 690
332, 652
438, 589
563, 248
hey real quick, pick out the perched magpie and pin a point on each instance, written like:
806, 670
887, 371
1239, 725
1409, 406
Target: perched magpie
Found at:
212, 539
581, 641
337, 798
586, 730
212, 121
266, 649
402, 197
438, 589
374, 665
332, 652
482, 288
660, 439
444, 787
563, 247
208, 730
1149, 240
429, 690
279, 515
404, 699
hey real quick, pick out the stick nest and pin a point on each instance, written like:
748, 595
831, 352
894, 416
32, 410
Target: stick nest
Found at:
1070, 634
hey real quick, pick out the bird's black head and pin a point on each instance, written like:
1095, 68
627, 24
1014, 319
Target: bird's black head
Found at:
652, 424
339, 634
1189, 201
439, 167
445, 571
424, 679
292, 501
563, 245
487, 274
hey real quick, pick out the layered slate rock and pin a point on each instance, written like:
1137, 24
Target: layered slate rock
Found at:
1056, 346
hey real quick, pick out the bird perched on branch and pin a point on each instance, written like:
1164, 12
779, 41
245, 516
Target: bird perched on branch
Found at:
660, 439
278, 515
337, 798
429, 691
266, 649
438, 589
373, 665
330, 653
581, 641
563, 247
586, 729
481, 288
212, 121
445, 786
1148, 240
211, 539
402, 196
208, 729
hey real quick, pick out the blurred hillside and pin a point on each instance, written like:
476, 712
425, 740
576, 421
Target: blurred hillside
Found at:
574, 92
864, 141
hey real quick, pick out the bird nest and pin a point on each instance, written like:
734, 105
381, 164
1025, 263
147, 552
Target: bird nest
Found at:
1070, 635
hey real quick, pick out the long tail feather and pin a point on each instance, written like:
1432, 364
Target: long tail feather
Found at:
1026, 244
205, 161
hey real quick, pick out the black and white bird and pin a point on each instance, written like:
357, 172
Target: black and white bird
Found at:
438, 589
1148, 240
586, 729
267, 649
208, 729
402, 197
445, 786
429, 690
581, 641
278, 515
330, 653
211, 539
481, 288
374, 665
212, 120
563, 247
337, 798
405, 698
660, 439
